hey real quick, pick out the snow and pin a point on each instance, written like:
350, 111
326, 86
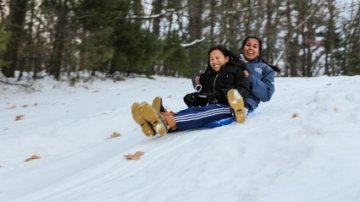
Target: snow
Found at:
303, 145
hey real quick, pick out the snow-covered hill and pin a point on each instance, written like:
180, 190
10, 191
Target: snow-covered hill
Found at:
303, 145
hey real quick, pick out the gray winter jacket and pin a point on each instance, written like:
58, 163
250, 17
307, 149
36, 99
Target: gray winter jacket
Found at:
261, 82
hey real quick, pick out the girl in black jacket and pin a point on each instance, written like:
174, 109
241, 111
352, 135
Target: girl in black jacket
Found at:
215, 82
224, 87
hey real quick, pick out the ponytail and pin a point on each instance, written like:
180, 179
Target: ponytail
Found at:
275, 68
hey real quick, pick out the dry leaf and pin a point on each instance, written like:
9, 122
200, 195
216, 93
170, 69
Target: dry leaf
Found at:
295, 115
114, 135
19, 117
33, 157
135, 156
12, 107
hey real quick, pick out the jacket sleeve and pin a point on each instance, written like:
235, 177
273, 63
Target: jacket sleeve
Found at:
263, 88
242, 83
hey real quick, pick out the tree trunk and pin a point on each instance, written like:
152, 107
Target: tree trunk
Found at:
15, 27
195, 31
157, 8
58, 46
212, 22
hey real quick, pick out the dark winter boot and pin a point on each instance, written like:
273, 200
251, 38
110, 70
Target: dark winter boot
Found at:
145, 126
236, 103
154, 118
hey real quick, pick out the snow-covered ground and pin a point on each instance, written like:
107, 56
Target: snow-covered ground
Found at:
303, 145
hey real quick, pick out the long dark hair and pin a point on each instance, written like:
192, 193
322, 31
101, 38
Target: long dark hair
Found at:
275, 68
224, 50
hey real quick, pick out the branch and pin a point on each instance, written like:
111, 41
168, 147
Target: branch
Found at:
17, 84
185, 45
147, 17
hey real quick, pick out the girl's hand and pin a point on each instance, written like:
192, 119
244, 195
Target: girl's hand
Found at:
246, 73
197, 80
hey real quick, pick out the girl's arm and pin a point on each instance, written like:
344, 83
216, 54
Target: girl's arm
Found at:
263, 88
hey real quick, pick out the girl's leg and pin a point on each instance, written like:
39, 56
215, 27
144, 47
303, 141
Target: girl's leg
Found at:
197, 117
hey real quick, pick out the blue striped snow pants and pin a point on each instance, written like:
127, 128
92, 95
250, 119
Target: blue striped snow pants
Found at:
200, 117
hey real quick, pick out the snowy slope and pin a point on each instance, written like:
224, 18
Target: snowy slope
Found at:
303, 145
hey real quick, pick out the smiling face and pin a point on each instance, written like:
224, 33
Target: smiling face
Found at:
251, 49
217, 59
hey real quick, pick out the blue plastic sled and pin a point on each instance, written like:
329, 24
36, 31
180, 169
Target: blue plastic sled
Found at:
221, 122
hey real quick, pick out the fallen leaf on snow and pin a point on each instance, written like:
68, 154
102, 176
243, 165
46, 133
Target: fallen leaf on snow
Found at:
135, 156
33, 157
114, 135
19, 117
12, 107
295, 115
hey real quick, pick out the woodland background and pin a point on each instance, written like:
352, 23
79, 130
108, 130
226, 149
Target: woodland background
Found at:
118, 38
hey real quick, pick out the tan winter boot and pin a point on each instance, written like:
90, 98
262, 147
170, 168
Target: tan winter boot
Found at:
157, 104
145, 126
153, 117
236, 103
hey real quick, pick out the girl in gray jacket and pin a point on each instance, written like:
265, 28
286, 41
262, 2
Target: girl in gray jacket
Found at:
260, 73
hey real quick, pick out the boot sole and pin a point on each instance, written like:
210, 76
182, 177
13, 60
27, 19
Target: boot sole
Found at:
153, 117
157, 104
145, 126
236, 103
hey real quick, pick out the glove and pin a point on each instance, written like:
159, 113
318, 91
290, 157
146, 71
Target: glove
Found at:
197, 99
193, 99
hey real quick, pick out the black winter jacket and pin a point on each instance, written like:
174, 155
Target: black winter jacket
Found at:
217, 84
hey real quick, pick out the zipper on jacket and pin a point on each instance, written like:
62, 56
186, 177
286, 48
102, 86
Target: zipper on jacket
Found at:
215, 82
